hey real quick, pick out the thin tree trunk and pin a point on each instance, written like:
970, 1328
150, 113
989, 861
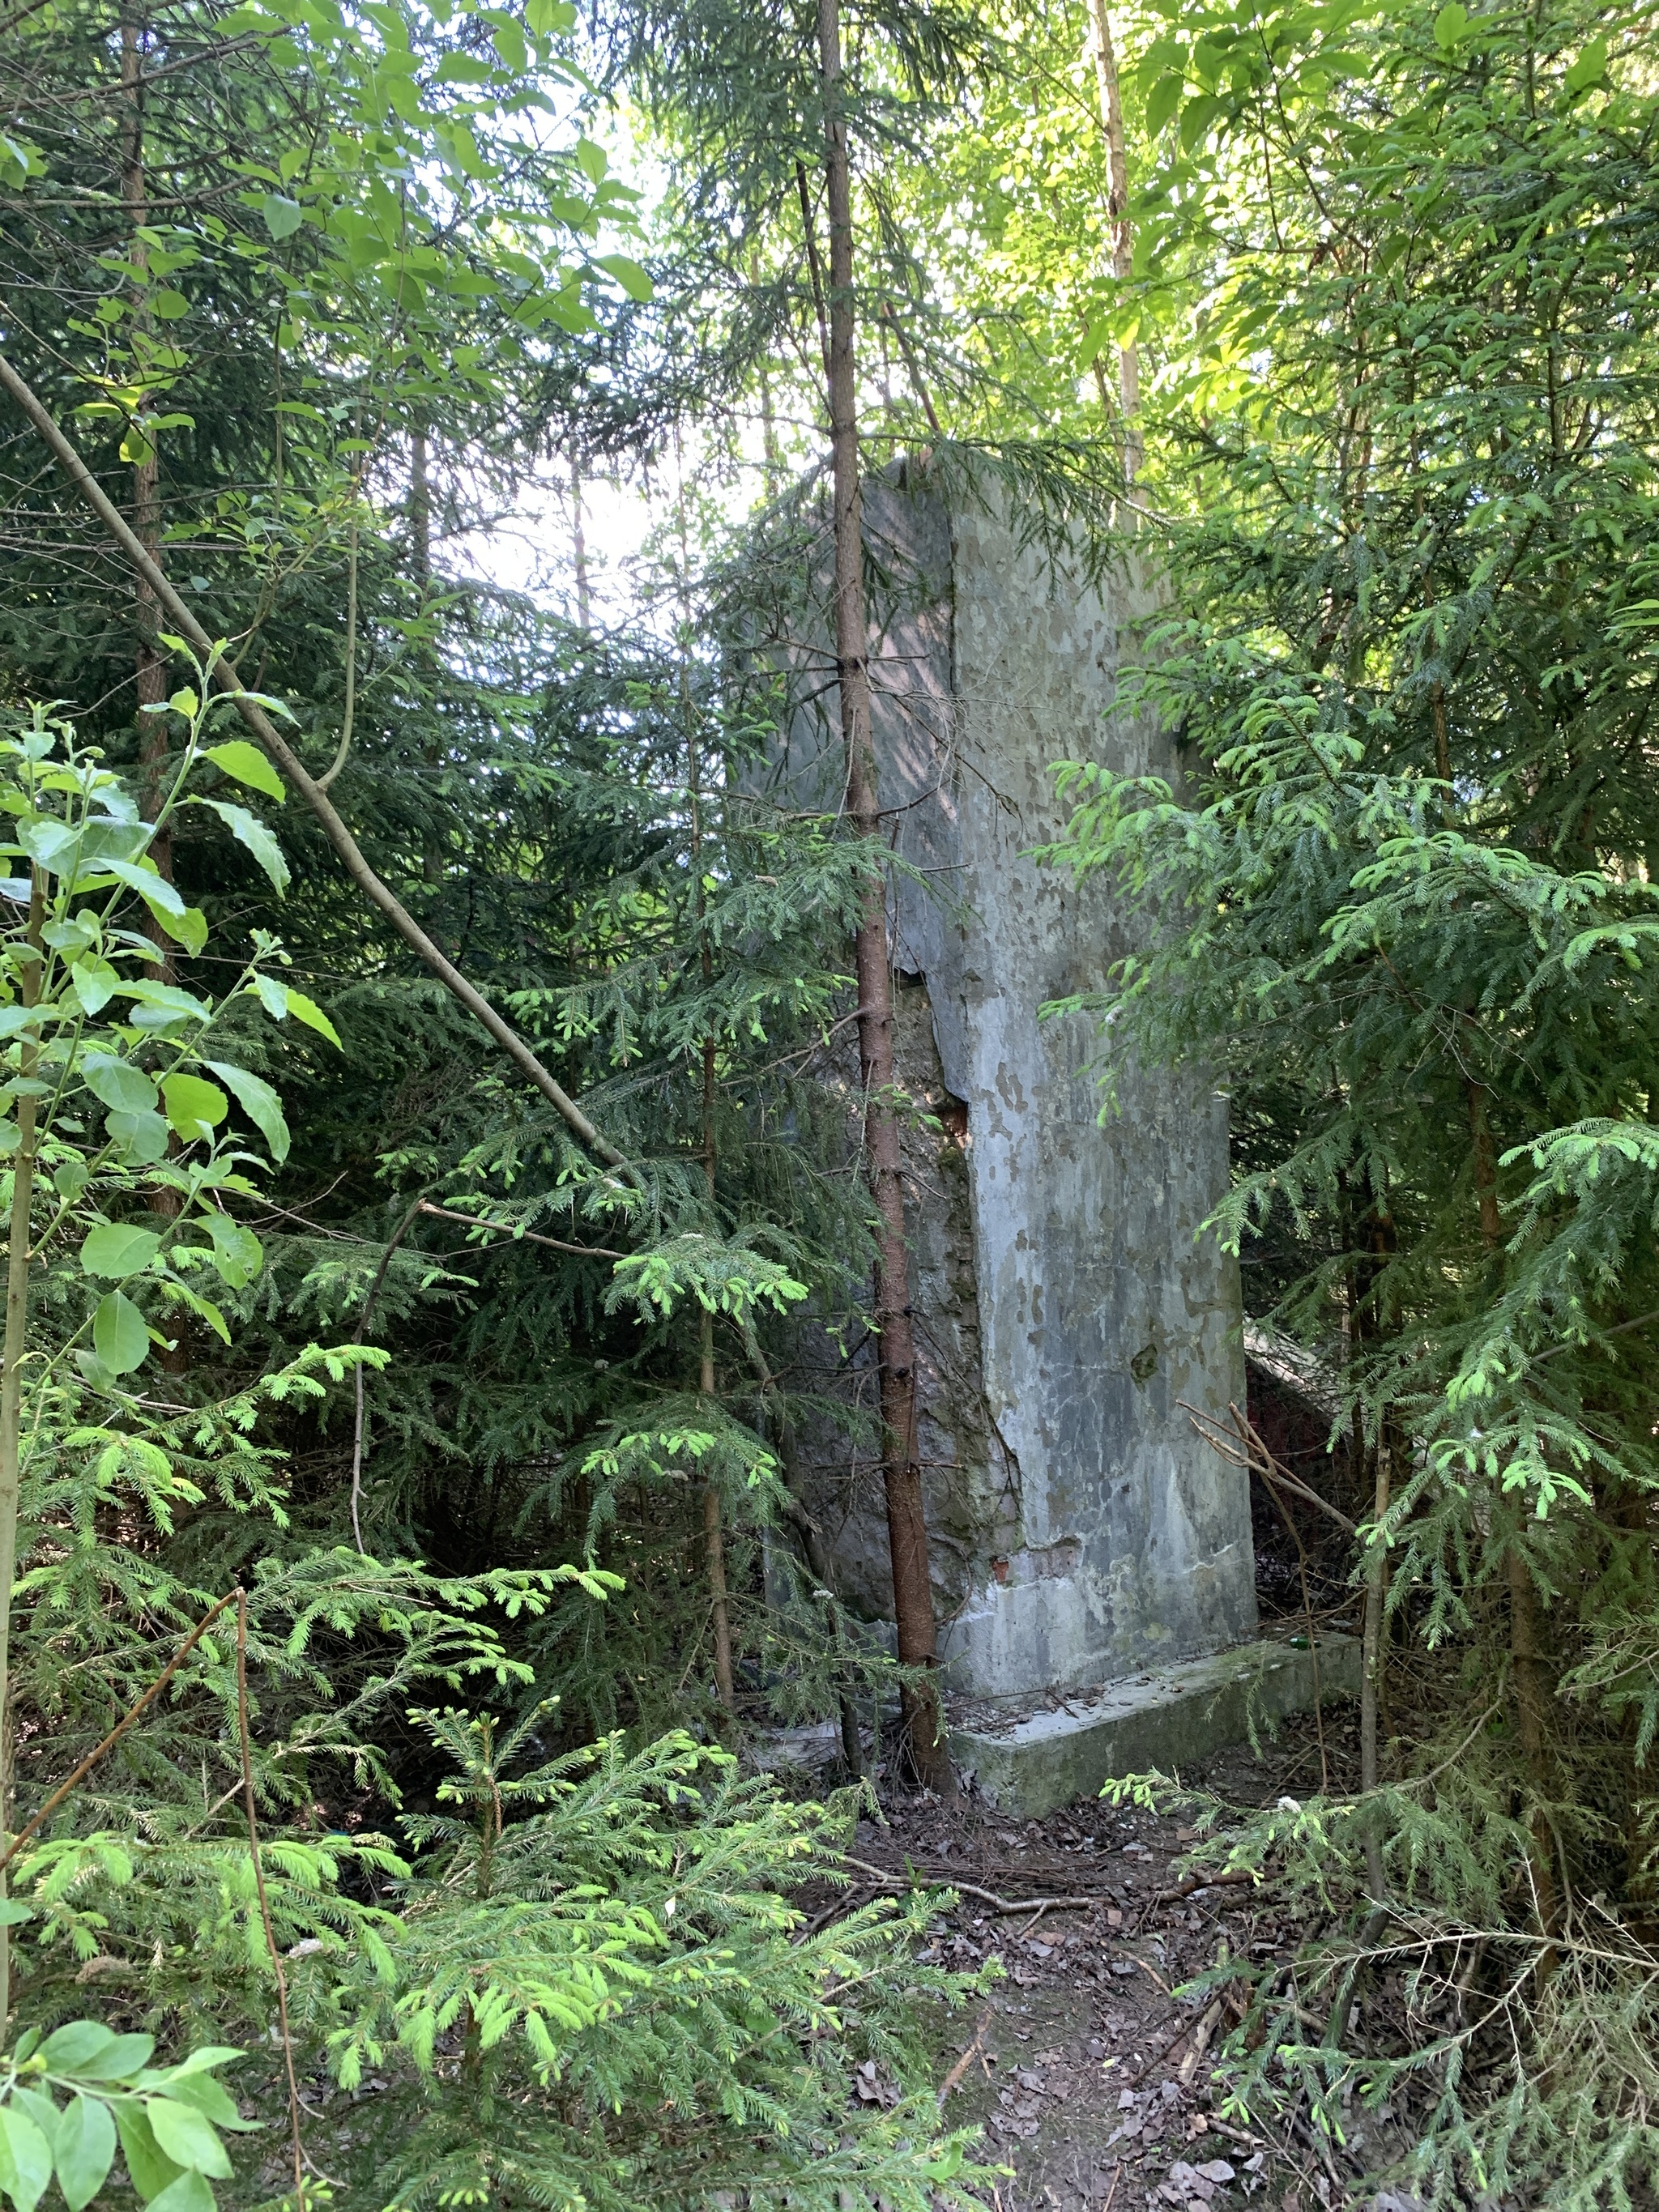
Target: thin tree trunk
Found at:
11, 1393
907, 1531
579, 547
1526, 1662
1372, 1660
1117, 159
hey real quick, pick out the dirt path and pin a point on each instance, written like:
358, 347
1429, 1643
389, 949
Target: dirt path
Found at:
1092, 2080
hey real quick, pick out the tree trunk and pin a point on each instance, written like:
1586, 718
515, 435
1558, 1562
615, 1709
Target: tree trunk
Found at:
579, 548
150, 676
11, 1393
1117, 159
907, 1531
1526, 1662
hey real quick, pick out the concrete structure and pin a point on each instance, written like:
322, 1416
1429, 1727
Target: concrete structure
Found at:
1170, 1719
1066, 1303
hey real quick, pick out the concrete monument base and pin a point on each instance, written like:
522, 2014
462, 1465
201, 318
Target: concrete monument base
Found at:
1169, 1718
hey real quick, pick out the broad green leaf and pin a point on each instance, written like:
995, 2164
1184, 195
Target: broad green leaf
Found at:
164, 1004
118, 1083
94, 983
282, 216
1590, 67
187, 2136
124, 2057
249, 831
118, 1334
75, 2045
149, 2168
194, 1106
209, 2098
25, 2156
1093, 339
85, 2150
1196, 119
237, 1252
13, 1912
634, 280
189, 2193
152, 887
116, 1249
1451, 26
1161, 102
37, 2106
259, 1102
248, 765
308, 1011
168, 305
143, 1138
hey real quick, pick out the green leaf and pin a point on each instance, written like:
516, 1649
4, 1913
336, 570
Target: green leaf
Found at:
94, 983
259, 1102
118, 1083
119, 1337
143, 1138
1161, 102
246, 764
115, 1250
168, 306
127, 2056
282, 216
187, 2138
237, 1252
85, 2150
308, 1011
1093, 339
1196, 119
25, 2154
189, 2193
249, 831
1590, 67
209, 2098
37, 2106
1451, 26
13, 1910
149, 2168
628, 274
194, 1107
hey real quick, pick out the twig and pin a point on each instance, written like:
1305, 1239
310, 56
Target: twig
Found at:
1195, 1882
529, 1236
115, 1734
300, 2159
1007, 1906
966, 2060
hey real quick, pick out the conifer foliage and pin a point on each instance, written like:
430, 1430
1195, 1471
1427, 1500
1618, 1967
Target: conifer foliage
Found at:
1406, 274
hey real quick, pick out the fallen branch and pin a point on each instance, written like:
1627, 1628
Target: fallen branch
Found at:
967, 2058
345, 845
1009, 1907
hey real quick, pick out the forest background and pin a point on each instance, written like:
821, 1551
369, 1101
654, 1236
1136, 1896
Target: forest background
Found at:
417, 1409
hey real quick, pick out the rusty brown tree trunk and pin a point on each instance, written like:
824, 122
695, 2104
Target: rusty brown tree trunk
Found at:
907, 1530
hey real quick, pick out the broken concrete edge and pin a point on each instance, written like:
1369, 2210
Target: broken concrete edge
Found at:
1169, 1720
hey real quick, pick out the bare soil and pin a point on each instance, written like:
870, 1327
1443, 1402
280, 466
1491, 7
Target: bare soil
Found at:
1091, 2076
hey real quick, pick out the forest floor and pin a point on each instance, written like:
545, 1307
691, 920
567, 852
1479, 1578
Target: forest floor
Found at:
1090, 2078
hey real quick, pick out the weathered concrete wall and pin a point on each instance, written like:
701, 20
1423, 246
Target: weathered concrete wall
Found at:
1083, 1530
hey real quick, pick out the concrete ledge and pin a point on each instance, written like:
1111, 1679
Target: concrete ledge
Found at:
1170, 1718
